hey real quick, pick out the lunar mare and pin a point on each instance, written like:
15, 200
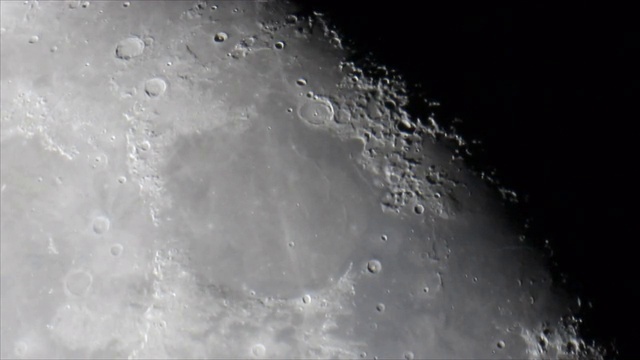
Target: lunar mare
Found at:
217, 179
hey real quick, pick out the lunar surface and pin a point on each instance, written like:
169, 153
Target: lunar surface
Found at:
218, 180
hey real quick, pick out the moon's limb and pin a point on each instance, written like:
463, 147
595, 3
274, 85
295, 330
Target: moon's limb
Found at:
184, 155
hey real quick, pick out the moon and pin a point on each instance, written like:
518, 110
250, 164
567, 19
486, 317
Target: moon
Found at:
218, 179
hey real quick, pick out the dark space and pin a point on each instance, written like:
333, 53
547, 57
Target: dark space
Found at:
549, 92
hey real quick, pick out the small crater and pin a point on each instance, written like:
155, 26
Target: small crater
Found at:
161, 324
155, 87
99, 161
129, 48
258, 350
316, 112
291, 19
78, 282
101, 225
220, 37
374, 266
116, 250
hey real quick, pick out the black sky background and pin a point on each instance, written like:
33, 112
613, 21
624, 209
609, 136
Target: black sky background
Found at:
552, 92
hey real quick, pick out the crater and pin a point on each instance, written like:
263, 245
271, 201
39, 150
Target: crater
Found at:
244, 199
